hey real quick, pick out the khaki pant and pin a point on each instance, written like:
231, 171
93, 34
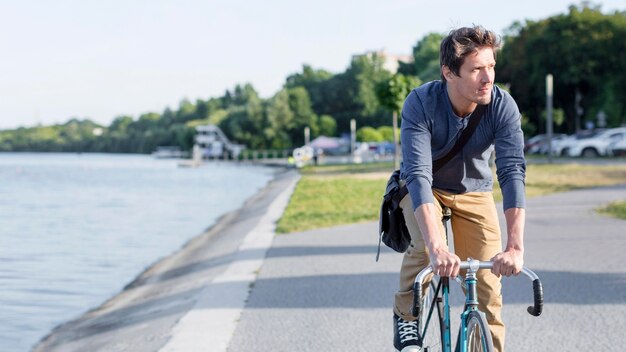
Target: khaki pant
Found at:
476, 234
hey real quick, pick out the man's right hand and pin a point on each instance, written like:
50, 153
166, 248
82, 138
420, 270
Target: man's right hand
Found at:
445, 263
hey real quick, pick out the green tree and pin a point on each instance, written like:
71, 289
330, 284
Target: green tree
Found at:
120, 124
313, 81
186, 112
288, 113
281, 120
584, 50
392, 94
246, 120
304, 116
426, 57
327, 126
73, 136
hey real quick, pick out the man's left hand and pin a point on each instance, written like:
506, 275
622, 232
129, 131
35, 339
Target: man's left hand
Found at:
507, 263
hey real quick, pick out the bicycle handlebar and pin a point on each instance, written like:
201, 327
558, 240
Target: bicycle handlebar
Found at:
475, 265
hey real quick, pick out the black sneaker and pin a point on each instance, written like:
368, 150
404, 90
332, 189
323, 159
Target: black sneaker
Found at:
405, 335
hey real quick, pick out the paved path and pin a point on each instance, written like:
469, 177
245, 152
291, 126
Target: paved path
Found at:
322, 290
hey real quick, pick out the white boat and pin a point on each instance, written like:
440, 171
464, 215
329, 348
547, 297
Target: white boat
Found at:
168, 152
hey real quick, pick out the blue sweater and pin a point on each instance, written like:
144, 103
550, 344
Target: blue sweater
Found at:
429, 130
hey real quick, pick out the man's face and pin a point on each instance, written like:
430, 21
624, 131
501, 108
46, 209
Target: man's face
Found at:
476, 77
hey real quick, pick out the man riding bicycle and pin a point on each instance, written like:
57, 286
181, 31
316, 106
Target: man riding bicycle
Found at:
433, 117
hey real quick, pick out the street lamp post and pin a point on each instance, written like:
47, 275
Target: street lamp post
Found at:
396, 145
307, 135
352, 136
549, 93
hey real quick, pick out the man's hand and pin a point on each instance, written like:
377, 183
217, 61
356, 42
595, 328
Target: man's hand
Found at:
507, 263
445, 263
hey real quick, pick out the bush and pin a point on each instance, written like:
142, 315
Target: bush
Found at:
369, 134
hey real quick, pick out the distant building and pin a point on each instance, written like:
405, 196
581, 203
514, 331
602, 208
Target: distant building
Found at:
391, 61
214, 144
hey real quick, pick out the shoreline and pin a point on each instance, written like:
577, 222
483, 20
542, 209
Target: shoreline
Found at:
141, 316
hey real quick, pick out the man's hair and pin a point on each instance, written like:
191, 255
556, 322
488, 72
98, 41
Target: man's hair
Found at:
462, 42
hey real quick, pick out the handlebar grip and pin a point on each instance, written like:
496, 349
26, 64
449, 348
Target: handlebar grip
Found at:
538, 304
417, 298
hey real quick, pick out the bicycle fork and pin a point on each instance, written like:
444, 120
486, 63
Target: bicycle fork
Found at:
471, 304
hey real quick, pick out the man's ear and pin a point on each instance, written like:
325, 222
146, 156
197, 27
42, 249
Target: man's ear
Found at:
447, 73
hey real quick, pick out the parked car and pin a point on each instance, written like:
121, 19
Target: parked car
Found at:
544, 148
531, 145
596, 145
561, 147
617, 147
539, 143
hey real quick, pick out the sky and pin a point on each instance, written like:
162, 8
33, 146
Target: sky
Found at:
102, 59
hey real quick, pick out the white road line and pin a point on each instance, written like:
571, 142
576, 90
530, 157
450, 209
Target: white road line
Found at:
211, 323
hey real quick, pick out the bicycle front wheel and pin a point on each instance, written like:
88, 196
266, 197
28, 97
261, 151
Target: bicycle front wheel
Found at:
478, 335
431, 318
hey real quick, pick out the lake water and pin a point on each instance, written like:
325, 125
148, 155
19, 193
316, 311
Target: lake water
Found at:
75, 229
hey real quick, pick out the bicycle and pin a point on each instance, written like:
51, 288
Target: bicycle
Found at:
474, 332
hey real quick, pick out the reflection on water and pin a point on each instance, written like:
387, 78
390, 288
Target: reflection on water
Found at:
74, 229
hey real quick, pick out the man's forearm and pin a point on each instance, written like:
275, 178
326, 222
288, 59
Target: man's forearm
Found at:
429, 223
510, 261
515, 220
443, 262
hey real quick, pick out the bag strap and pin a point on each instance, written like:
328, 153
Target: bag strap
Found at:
403, 191
465, 136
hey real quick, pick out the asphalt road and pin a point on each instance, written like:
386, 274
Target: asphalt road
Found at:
322, 290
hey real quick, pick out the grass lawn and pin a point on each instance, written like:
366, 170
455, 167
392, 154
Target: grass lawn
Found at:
328, 201
343, 194
542, 179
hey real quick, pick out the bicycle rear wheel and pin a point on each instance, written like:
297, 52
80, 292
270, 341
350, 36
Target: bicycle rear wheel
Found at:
478, 335
431, 318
